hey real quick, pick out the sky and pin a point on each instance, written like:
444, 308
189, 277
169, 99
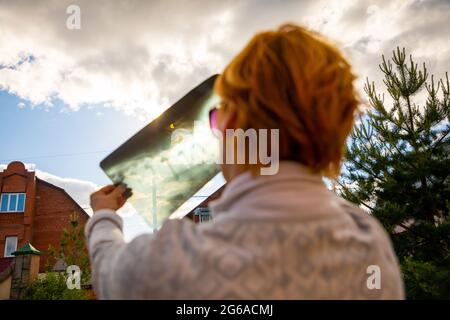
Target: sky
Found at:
68, 97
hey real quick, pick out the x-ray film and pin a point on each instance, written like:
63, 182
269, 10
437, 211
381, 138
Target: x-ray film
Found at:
170, 159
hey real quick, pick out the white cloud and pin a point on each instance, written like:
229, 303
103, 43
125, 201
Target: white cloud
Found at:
79, 190
138, 56
132, 56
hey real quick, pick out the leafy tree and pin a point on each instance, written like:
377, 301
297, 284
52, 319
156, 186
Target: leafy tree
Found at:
52, 286
398, 166
72, 251
72, 248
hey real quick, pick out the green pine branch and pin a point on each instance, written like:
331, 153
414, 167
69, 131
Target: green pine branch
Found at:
397, 166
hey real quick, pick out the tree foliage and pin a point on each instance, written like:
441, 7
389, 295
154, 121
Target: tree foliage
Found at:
398, 166
72, 248
72, 251
52, 286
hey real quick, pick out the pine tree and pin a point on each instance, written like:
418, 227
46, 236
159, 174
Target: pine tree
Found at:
398, 166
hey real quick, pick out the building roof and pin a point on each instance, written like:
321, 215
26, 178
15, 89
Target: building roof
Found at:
26, 249
60, 266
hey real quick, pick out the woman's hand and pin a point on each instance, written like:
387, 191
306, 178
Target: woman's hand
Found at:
109, 197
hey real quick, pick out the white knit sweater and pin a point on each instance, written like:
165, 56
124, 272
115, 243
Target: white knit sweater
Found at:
284, 236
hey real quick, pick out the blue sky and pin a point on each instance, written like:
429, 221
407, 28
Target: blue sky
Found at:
42, 135
63, 143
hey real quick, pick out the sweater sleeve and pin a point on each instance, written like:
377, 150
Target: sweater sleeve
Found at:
104, 241
140, 269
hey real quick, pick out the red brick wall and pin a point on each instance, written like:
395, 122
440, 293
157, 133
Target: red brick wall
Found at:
47, 211
53, 210
11, 224
16, 179
15, 183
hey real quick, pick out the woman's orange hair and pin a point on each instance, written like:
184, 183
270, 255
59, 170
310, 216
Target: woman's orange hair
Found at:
293, 80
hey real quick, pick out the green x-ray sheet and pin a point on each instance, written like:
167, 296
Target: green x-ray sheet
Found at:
170, 159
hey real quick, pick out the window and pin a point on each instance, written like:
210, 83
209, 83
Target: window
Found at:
12, 202
205, 218
202, 214
10, 246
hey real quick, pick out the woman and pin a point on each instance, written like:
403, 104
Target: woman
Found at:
281, 236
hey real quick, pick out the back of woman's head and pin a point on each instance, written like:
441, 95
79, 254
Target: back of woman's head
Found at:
293, 80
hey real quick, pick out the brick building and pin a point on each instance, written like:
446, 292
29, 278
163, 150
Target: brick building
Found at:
32, 211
